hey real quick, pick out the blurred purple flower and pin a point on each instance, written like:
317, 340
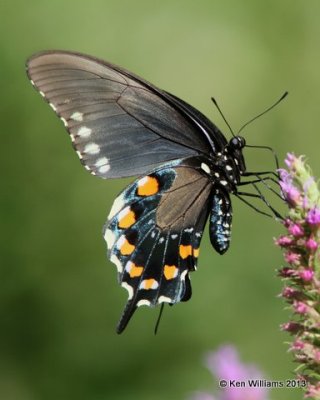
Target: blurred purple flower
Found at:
224, 364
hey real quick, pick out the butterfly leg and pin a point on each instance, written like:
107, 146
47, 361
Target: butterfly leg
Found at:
263, 181
261, 197
269, 149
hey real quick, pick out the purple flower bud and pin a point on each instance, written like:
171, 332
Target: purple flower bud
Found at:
290, 160
289, 293
292, 194
284, 175
284, 241
292, 257
297, 345
287, 272
313, 217
306, 274
311, 244
291, 327
300, 307
296, 230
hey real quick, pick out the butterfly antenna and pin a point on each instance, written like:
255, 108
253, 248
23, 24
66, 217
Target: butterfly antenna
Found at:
221, 113
265, 111
158, 319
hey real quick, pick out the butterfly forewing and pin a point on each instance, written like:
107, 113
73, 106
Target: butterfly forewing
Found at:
119, 125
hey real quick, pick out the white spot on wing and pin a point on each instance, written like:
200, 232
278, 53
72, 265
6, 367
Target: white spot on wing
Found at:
174, 236
116, 206
128, 288
91, 148
84, 132
110, 238
189, 230
103, 165
228, 168
224, 183
183, 275
42, 94
53, 106
104, 169
161, 240
79, 154
77, 116
164, 299
143, 302
121, 241
217, 174
32, 82
206, 168
115, 260
101, 161
65, 123
123, 213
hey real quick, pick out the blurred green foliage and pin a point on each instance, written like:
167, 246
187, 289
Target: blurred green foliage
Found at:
59, 299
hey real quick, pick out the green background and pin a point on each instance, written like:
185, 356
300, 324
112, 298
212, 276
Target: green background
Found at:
59, 298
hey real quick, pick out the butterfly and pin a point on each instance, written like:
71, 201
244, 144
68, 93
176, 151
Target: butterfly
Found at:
120, 126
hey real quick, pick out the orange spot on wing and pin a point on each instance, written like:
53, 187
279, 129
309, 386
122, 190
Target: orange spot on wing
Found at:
185, 251
170, 271
126, 248
149, 284
134, 270
148, 186
196, 252
127, 220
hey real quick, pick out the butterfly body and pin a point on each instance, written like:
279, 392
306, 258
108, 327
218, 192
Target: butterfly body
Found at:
120, 126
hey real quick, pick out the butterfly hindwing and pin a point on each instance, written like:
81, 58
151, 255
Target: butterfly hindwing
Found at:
154, 232
119, 124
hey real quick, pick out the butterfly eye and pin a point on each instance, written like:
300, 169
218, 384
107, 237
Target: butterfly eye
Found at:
237, 142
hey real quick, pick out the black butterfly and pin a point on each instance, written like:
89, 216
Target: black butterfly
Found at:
120, 126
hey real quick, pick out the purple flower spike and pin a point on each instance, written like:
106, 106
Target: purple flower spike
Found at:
302, 277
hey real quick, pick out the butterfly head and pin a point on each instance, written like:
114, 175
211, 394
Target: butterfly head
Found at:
235, 148
237, 143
